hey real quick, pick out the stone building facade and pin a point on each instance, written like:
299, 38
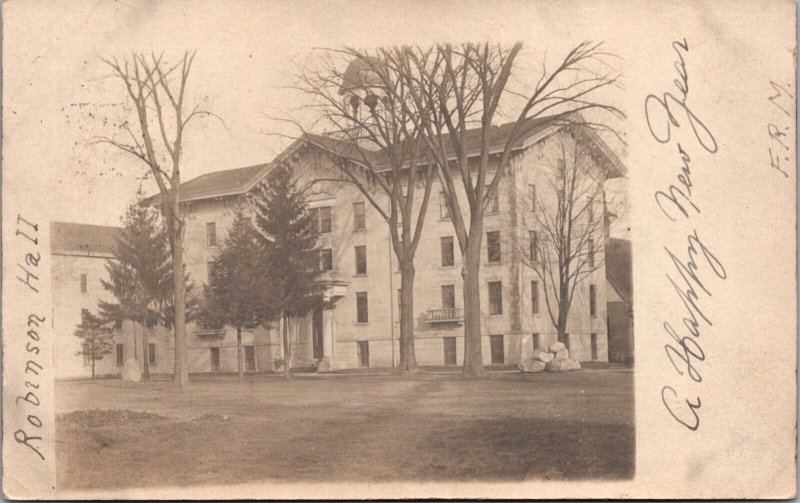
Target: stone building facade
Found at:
362, 277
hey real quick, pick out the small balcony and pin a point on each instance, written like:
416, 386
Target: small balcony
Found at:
335, 283
447, 315
209, 333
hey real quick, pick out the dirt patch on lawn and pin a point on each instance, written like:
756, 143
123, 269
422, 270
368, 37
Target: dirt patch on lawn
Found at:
104, 418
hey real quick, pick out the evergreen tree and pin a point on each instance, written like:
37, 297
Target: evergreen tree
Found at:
96, 338
237, 294
140, 275
288, 233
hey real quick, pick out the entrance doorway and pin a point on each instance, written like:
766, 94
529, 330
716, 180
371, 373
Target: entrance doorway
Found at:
316, 333
450, 351
249, 358
363, 353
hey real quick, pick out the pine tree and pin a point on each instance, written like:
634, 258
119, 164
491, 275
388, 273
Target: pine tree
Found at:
288, 233
237, 294
96, 338
140, 275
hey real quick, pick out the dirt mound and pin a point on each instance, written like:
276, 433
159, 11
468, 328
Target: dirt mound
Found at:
99, 418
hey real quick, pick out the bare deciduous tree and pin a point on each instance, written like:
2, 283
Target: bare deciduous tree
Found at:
375, 143
566, 232
464, 88
158, 92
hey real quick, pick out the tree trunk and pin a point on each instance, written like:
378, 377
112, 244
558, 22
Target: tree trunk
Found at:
408, 358
145, 354
181, 370
470, 272
285, 334
240, 353
93, 360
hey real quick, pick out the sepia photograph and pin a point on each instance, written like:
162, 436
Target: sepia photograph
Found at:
327, 243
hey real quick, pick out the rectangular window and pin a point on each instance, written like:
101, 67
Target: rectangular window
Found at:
359, 216
118, 324
444, 213
494, 203
498, 351
214, 359
493, 246
361, 260
362, 307
321, 217
533, 252
593, 300
363, 354
326, 259
399, 301
537, 341
120, 354
212, 272
84, 283
594, 346
535, 297
495, 297
532, 196
211, 234
448, 251
449, 350
591, 253
151, 354
590, 212
448, 297
249, 358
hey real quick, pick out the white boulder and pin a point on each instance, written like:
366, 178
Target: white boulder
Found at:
531, 365
131, 371
562, 365
542, 356
561, 354
556, 347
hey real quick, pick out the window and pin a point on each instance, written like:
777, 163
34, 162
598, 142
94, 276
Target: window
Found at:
495, 297
359, 216
214, 358
532, 196
326, 259
322, 219
399, 301
118, 324
535, 297
151, 354
537, 341
498, 351
211, 234
591, 253
534, 246
84, 282
448, 252
362, 307
87, 358
590, 212
448, 297
444, 213
361, 260
212, 272
593, 300
493, 246
363, 354
494, 202
120, 354
249, 358
449, 350
594, 346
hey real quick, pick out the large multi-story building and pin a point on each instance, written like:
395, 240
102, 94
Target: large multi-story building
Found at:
361, 273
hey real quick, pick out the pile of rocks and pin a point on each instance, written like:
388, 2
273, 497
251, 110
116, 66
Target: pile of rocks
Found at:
555, 359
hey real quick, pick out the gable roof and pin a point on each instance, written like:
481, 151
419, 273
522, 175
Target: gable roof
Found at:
241, 180
84, 238
618, 267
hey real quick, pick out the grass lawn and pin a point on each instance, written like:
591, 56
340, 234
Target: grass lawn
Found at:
509, 426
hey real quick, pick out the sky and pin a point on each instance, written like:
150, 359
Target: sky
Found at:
59, 94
